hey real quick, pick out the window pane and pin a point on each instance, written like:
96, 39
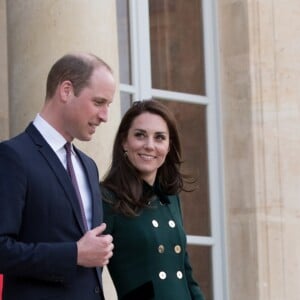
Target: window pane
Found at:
201, 261
177, 52
126, 101
124, 41
191, 120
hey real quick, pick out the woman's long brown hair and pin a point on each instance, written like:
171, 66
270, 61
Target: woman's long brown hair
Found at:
123, 181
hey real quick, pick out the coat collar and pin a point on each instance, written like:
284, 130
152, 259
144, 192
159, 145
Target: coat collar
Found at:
149, 191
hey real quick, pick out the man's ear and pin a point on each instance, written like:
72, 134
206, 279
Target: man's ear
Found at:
66, 90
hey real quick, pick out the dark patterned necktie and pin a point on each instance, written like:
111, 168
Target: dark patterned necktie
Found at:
72, 175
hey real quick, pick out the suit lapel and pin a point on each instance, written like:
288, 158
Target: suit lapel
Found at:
97, 211
58, 169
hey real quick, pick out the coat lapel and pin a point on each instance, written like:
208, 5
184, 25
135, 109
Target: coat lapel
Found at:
174, 206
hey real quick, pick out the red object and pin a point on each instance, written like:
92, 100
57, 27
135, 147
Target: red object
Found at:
1, 280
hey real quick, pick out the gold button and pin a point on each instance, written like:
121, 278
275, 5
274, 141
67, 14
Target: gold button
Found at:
154, 223
177, 249
171, 223
162, 275
161, 249
179, 275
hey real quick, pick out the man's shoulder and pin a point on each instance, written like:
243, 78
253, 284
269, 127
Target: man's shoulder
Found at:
15, 141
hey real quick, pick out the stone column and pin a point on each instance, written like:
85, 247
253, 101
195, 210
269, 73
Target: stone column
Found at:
39, 32
4, 108
260, 63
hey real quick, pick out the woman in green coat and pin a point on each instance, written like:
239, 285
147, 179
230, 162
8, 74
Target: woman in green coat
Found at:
142, 208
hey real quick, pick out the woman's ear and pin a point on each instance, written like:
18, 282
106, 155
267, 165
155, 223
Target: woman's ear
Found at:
124, 146
125, 150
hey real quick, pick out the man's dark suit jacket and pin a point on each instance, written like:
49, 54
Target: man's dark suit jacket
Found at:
40, 222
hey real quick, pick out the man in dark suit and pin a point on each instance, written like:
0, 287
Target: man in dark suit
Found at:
49, 247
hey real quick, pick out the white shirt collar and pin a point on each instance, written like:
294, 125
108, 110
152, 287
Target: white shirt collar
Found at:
50, 134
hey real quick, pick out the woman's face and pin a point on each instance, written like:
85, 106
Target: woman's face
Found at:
147, 144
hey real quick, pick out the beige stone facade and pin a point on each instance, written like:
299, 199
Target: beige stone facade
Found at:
259, 55
260, 69
4, 114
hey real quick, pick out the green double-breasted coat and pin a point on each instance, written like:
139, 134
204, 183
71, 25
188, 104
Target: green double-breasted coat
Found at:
150, 259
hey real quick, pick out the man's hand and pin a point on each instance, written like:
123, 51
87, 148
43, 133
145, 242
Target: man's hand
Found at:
95, 249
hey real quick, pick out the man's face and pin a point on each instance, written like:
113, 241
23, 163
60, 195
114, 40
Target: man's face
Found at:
90, 108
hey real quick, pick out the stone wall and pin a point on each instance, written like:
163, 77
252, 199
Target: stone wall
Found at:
260, 69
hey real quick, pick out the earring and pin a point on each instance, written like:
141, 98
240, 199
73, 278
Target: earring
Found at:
125, 153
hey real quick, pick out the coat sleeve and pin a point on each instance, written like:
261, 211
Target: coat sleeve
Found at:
195, 290
194, 287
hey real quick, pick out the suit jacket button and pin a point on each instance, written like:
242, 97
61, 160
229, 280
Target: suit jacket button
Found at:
97, 290
162, 275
